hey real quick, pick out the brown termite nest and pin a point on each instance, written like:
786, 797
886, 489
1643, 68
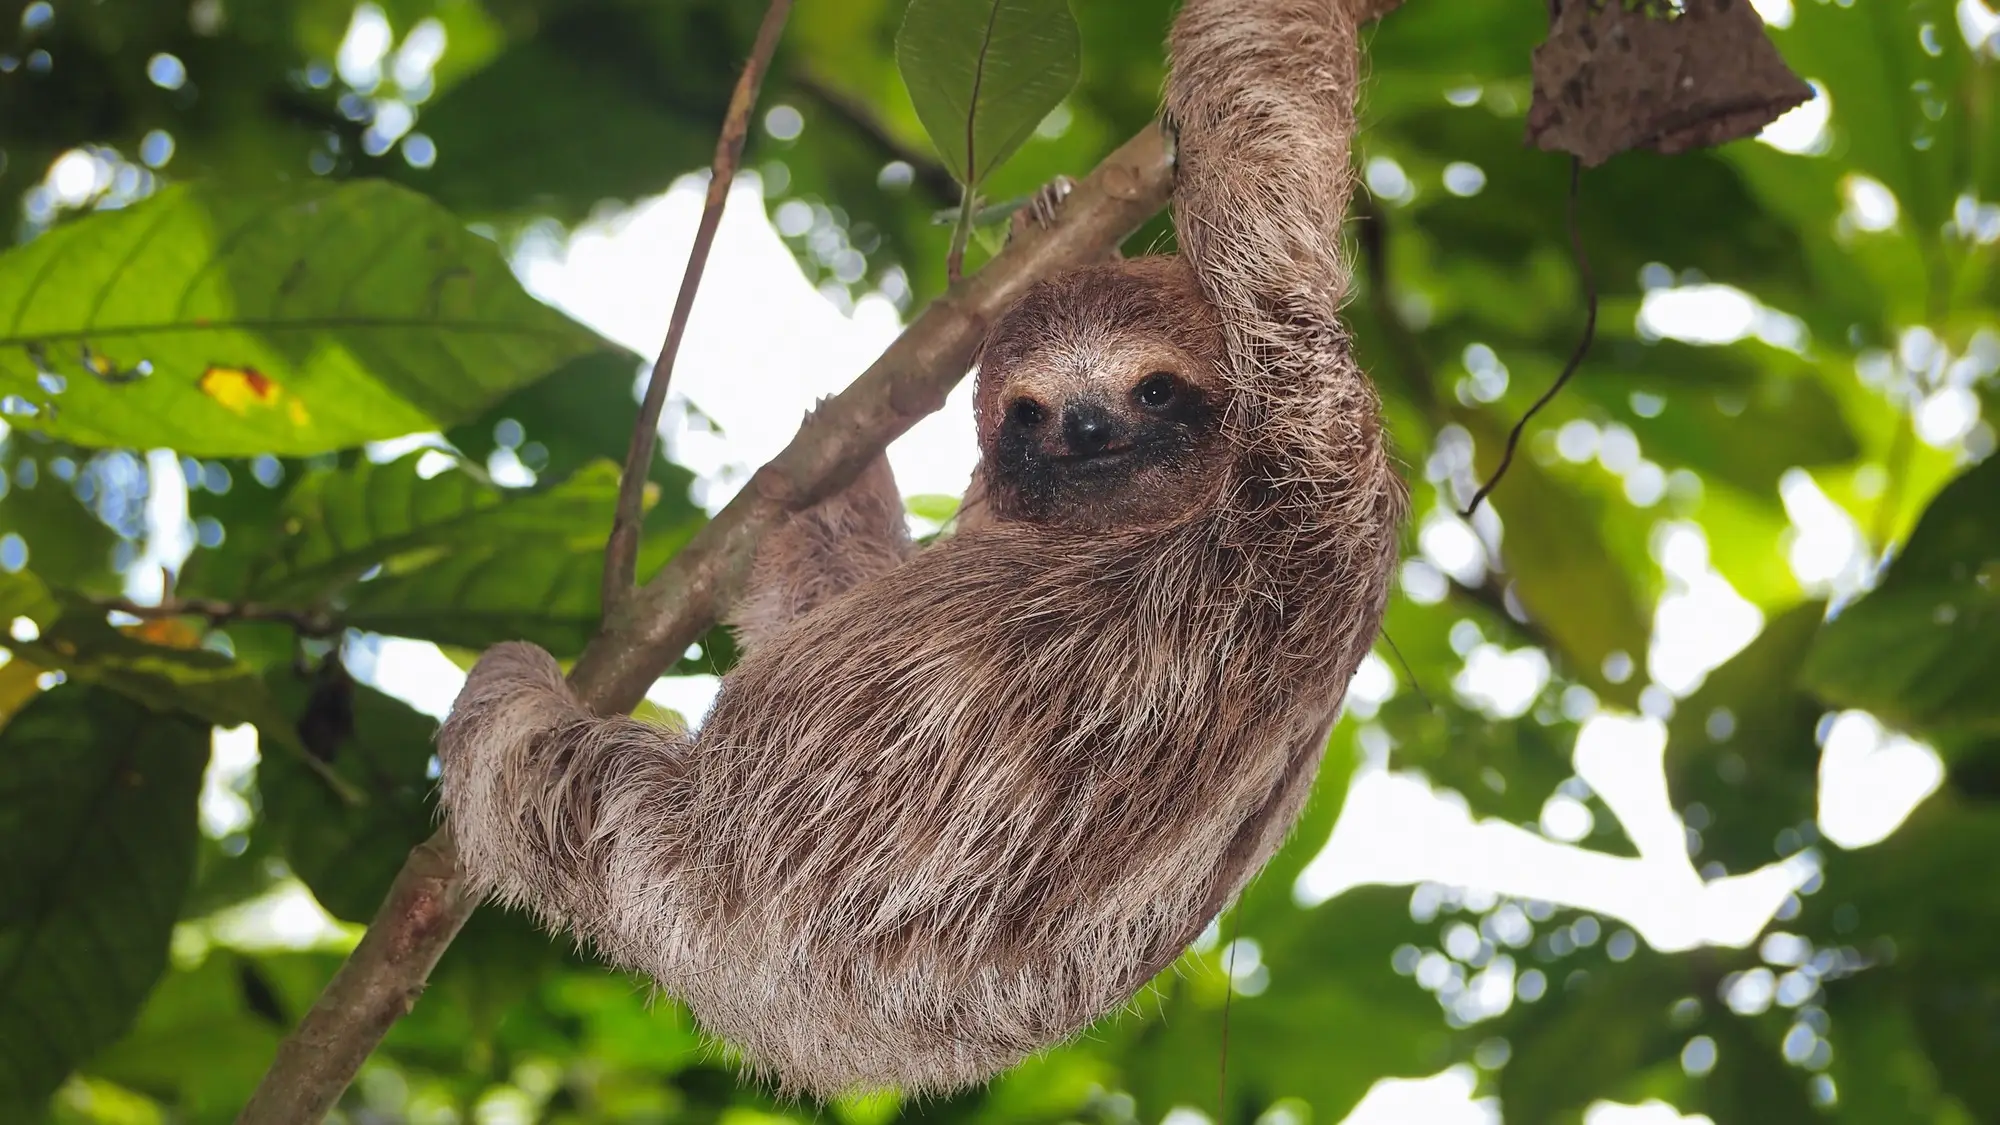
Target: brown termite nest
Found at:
1668, 75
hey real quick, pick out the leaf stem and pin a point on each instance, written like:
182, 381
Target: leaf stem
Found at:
954, 263
621, 554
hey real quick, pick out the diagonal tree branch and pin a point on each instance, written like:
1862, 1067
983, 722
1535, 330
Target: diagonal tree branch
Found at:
909, 381
647, 631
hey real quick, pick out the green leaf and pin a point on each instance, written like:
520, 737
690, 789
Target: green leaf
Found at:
615, 100
65, 539
1574, 559
1919, 911
97, 820
984, 73
461, 562
196, 1045
1743, 745
24, 595
1329, 968
296, 321
932, 507
191, 681
582, 413
1740, 415
1920, 650
348, 854
337, 524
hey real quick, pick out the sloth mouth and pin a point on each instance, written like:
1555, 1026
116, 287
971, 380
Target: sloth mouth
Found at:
1110, 454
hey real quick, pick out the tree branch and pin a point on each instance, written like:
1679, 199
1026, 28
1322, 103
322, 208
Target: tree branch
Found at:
648, 631
621, 553
909, 381
308, 622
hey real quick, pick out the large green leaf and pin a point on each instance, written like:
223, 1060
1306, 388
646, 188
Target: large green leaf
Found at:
580, 414
197, 682
984, 73
207, 1033
24, 595
1920, 650
450, 559
1919, 911
337, 524
1571, 555
1329, 971
64, 538
97, 820
615, 100
1743, 745
312, 318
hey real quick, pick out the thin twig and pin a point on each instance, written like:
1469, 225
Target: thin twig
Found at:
1372, 238
1415, 684
936, 180
428, 903
1228, 991
621, 553
310, 622
1575, 357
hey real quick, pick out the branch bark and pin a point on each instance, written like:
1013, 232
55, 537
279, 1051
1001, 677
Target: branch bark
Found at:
646, 632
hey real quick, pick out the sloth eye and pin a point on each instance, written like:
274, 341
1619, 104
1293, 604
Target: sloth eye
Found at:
1155, 390
1026, 412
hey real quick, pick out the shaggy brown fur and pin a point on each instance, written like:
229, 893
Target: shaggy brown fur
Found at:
954, 814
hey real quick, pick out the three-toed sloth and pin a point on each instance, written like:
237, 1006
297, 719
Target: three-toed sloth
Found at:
954, 805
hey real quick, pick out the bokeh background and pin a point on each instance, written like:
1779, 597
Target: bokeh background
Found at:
1674, 799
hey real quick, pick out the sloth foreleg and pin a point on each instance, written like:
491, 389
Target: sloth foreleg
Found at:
851, 537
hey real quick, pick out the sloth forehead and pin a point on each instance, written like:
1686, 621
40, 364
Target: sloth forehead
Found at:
1103, 327
1101, 361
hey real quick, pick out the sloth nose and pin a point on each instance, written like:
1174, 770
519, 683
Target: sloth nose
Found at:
1087, 428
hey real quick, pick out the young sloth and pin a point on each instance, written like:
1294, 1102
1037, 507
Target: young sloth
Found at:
953, 807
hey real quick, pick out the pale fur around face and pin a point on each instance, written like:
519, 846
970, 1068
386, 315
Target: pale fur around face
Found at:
958, 810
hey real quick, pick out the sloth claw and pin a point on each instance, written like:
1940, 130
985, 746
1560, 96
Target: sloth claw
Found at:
1041, 209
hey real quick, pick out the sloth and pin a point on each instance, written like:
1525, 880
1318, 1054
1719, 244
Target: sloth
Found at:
954, 805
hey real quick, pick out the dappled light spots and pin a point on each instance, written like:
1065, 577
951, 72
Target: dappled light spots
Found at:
166, 72
784, 123
1387, 180
1803, 130
1870, 205
1464, 179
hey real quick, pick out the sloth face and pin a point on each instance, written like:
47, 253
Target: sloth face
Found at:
1099, 401
1101, 438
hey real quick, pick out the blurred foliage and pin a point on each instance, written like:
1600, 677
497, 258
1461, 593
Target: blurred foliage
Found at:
245, 238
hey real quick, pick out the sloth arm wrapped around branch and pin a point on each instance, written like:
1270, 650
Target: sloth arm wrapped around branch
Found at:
950, 809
